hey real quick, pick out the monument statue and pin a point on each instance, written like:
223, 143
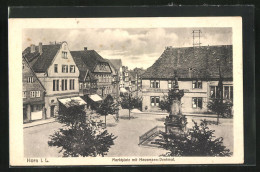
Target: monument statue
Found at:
176, 121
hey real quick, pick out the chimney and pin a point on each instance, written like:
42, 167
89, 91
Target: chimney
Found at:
85, 48
190, 72
40, 48
32, 48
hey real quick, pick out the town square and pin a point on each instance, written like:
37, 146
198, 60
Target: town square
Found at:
98, 99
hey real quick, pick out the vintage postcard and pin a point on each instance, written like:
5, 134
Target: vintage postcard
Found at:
126, 91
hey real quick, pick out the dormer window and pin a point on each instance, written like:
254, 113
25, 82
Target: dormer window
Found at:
64, 54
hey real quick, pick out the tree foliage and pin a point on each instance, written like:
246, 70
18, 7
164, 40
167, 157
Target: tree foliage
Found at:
198, 141
220, 107
108, 106
130, 102
79, 136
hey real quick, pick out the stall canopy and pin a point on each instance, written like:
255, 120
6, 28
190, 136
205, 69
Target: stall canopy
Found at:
95, 97
78, 101
123, 90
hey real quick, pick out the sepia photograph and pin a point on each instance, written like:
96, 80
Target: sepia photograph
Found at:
143, 92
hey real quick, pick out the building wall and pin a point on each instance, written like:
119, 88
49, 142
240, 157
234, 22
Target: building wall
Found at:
32, 104
34, 86
189, 94
104, 75
47, 80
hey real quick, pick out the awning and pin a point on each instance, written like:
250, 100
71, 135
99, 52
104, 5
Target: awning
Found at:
78, 101
123, 90
95, 97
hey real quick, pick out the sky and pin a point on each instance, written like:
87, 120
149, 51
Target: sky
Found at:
137, 47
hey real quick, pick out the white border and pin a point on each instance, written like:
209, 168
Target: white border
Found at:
15, 83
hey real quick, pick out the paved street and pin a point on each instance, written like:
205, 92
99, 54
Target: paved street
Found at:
128, 132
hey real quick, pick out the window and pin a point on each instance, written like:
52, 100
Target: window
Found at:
64, 68
30, 79
64, 55
38, 93
171, 83
55, 86
62, 84
214, 92
24, 94
197, 84
65, 84
72, 84
155, 84
80, 85
23, 65
32, 94
155, 101
55, 68
231, 92
197, 102
72, 68
228, 92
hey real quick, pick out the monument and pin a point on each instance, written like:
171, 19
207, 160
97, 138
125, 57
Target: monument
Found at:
176, 121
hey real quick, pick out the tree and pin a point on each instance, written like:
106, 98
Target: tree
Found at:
129, 102
79, 136
108, 106
198, 141
221, 108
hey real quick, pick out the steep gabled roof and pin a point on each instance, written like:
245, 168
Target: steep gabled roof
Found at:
90, 58
41, 62
83, 69
28, 64
189, 62
117, 63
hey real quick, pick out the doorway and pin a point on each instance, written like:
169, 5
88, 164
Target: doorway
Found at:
52, 111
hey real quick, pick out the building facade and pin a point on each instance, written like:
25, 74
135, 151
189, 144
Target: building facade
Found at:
116, 65
33, 94
198, 70
57, 71
98, 68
